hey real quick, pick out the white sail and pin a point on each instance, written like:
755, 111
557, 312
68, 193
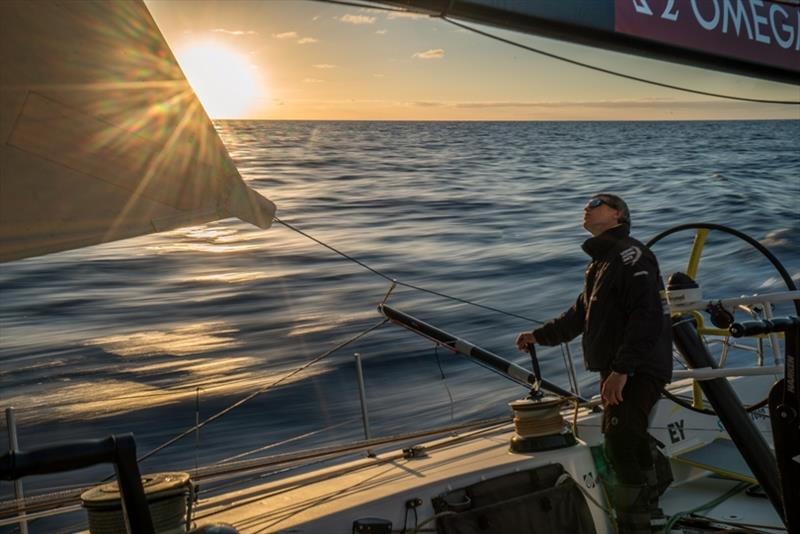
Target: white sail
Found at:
102, 136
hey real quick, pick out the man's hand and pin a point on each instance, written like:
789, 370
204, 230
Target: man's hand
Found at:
612, 388
525, 339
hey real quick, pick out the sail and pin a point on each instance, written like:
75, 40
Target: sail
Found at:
756, 38
102, 138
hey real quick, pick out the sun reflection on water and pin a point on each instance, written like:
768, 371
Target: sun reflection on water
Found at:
183, 340
201, 247
308, 323
232, 278
94, 398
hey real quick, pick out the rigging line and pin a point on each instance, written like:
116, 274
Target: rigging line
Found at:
463, 301
615, 73
750, 526
487, 426
653, 427
261, 390
404, 284
706, 506
216, 483
338, 450
285, 441
444, 381
365, 6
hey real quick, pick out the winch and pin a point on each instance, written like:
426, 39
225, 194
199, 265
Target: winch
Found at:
538, 423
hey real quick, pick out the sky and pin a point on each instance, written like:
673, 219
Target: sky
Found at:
306, 60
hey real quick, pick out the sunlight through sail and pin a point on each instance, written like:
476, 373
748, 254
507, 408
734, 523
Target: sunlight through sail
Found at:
104, 137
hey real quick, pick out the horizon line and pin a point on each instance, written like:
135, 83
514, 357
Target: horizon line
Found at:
503, 120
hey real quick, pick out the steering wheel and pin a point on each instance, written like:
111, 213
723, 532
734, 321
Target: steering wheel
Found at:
701, 232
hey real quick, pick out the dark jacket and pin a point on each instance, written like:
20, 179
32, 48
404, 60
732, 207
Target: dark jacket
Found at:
621, 312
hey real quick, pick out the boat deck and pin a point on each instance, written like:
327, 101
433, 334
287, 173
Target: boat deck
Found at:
742, 509
327, 501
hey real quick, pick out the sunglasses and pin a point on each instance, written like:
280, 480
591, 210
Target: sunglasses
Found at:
597, 202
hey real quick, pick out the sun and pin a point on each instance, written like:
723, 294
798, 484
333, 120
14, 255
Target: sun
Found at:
225, 82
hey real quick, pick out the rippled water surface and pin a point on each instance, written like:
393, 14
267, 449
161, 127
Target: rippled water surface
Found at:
137, 335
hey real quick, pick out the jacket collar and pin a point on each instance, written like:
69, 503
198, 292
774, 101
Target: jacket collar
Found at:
599, 246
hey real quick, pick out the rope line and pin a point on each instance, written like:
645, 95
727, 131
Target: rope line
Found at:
365, 6
688, 405
404, 284
261, 390
488, 426
615, 73
589, 496
285, 441
444, 381
476, 429
706, 506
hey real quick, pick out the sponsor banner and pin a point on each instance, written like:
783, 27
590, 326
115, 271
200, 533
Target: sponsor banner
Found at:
759, 31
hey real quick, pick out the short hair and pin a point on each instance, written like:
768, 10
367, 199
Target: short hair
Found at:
618, 204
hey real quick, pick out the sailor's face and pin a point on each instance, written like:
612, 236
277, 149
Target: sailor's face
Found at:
598, 216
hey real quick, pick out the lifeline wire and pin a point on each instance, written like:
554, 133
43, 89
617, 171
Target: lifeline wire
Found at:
404, 284
261, 390
615, 73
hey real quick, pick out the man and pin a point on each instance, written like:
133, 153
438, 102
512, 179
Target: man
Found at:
627, 338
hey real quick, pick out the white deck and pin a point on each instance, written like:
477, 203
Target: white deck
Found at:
327, 501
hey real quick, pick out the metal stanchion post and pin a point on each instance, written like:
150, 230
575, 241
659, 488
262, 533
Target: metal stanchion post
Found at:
13, 445
363, 395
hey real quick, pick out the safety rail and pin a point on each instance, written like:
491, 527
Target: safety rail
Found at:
759, 308
68, 501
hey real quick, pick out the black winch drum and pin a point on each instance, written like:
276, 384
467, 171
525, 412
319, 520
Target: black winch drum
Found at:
167, 496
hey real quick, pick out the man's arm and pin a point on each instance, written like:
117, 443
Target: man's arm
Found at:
642, 304
566, 327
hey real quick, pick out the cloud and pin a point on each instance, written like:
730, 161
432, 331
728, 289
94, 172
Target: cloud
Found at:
434, 53
376, 75
234, 32
357, 19
381, 32
295, 35
428, 104
324, 66
511, 104
313, 80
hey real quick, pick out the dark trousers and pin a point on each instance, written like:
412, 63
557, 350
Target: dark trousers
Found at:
627, 445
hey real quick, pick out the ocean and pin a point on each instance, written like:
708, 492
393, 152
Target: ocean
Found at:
148, 334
